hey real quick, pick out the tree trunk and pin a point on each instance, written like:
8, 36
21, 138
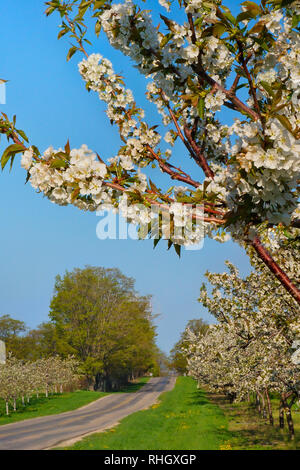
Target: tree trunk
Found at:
281, 415
264, 411
288, 413
15, 405
23, 400
271, 420
258, 403
290, 423
6, 407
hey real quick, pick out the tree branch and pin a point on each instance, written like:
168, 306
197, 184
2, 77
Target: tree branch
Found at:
283, 278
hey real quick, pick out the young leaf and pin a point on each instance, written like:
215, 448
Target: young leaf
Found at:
71, 52
10, 152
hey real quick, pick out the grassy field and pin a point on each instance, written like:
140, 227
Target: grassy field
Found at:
42, 406
184, 419
191, 419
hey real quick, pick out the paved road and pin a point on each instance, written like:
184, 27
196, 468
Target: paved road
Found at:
48, 431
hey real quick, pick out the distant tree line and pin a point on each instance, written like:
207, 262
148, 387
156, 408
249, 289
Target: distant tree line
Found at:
96, 316
19, 379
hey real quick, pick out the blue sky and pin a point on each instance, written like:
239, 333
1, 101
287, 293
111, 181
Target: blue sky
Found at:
38, 239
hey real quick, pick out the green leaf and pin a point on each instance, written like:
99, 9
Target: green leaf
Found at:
168, 23
200, 108
62, 33
67, 147
156, 240
268, 88
97, 28
49, 11
58, 163
252, 8
166, 39
218, 29
99, 4
178, 249
285, 122
10, 152
257, 28
22, 134
71, 52
245, 15
228, 15
295, 21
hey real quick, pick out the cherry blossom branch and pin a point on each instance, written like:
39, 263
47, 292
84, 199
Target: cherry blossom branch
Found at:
166, 167
237, 103
199, 155
250, 81
189, 142
265, 256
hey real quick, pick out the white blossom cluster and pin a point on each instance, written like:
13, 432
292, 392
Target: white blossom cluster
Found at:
99, 76
63, 177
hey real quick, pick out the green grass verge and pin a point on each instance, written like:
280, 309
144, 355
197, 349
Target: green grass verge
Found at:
184, 419
54, 404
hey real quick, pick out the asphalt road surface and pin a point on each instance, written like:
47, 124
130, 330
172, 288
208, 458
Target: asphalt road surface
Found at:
49, 431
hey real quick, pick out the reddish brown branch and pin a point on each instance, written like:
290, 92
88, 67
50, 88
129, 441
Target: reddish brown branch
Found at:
200, 158
166, 167
265, 256
189, 142
249, 78
238, 104
235, 84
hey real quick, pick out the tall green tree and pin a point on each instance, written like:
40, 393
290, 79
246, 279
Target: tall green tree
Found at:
99, 317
